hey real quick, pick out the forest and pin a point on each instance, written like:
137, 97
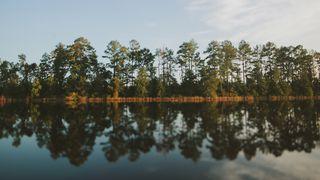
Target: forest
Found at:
223, 69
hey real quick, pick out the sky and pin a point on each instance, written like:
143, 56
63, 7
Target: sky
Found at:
34, 27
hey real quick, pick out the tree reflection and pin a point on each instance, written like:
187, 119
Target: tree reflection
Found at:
131, 130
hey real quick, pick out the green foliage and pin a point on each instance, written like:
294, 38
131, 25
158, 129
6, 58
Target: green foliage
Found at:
82, 60
9, 79
100, 81
141, 83
245, 57
44, 76
36, 88
222, 70
117, 56
188, 57
189, 86
166, 67
220, 58
160, 88
209, 83
59, 63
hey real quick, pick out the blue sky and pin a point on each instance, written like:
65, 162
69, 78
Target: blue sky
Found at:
34, 27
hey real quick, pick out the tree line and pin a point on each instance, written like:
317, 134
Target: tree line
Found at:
223, 69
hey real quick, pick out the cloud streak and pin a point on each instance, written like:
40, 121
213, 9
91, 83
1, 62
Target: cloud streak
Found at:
284, 21
270, 167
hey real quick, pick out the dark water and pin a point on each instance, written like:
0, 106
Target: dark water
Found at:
264, 140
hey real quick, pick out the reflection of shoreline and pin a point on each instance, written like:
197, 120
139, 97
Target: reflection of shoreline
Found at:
133, 129
80, 100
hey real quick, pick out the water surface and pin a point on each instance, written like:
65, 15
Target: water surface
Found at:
261, 140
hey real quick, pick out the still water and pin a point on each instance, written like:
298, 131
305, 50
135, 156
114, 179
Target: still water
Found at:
262, 140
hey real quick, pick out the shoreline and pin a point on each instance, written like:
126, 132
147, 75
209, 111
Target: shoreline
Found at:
4, 100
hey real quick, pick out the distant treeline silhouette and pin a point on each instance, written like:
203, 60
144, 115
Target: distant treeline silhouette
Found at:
221, 70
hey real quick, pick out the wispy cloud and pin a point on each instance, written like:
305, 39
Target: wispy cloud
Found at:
284, 21
151, 24
198, 33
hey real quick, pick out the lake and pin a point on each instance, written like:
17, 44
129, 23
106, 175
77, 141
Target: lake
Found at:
259, 140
